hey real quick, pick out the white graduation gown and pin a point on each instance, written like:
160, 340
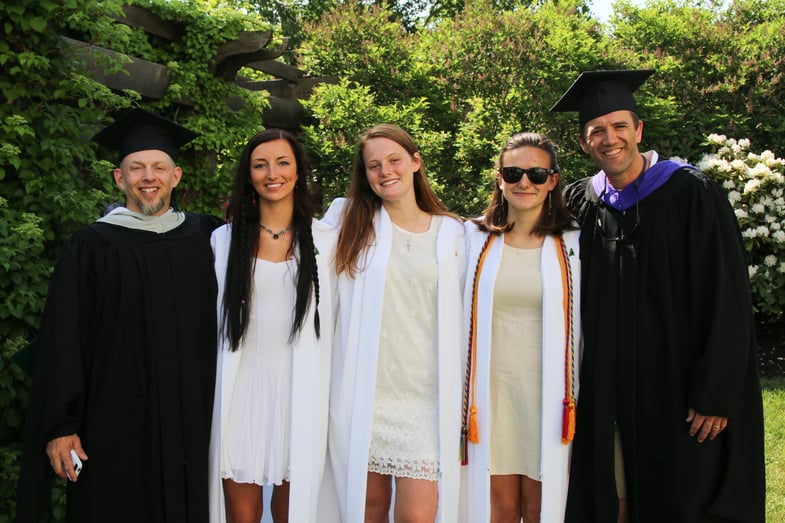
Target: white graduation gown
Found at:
310, 388
355, 357
555, 459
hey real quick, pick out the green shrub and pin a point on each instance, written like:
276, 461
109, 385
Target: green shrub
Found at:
756, 190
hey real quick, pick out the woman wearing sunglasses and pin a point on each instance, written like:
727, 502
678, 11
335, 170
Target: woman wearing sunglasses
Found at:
524, 340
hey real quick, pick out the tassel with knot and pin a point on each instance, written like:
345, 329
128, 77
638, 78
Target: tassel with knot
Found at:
568, 421
474, 433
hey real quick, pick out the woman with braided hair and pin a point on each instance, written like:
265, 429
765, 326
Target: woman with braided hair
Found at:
524, 341
276, 278
394, 406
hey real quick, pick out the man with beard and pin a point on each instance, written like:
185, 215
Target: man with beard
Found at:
669, 421
125, 367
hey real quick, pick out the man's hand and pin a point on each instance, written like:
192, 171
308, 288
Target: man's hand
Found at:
705, 426
59, 452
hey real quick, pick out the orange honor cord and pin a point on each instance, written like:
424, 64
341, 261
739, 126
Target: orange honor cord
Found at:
469, 430
568, 404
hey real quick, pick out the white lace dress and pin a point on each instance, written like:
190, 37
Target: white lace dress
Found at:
405, 431
255, 440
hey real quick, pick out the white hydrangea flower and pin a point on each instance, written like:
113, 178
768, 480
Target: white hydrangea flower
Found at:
749, 233
744, 142
770, 260
728, 185
778, 233
711, 162
733, 197
762, 230
739, 165
751, 186
777, 193
741, 213
752, 269
717, 139
758, 208
782, 267
767, 156
759, 170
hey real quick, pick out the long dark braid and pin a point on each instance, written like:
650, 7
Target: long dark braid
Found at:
307, 270
243, 213
305, 280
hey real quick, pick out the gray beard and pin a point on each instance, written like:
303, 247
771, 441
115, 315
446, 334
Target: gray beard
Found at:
152, 208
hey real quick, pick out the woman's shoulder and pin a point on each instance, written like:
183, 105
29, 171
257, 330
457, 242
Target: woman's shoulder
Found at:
324, 230
222, 233
471, 226
572, 234
451, 223
334, 214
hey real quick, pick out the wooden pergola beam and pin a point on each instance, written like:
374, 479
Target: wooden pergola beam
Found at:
151, 23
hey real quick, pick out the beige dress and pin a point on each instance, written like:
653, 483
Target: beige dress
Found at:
516, 365
405, 428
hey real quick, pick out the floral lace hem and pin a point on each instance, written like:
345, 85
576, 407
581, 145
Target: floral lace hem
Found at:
428, 470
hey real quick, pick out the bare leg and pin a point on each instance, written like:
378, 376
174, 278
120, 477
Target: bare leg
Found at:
416, 500
378, 496
624, 515
531, 496
243, 502
279, 503
506, 491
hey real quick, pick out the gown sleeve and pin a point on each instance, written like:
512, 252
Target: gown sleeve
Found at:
58, 380
720, 300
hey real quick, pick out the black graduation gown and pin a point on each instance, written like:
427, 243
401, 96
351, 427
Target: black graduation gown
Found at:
668, 326
126, 360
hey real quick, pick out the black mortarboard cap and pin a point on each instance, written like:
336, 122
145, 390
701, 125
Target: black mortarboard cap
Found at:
595, 93
141, 130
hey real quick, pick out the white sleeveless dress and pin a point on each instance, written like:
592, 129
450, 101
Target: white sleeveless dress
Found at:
255, 440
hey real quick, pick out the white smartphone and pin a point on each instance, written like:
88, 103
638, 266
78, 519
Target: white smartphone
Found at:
77, 463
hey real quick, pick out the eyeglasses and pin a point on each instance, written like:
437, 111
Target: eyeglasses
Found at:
537, 175
621, 236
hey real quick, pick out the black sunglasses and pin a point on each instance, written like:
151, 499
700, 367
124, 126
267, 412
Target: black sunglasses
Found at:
537, 175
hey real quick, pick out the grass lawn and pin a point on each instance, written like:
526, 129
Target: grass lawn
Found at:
774, 415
